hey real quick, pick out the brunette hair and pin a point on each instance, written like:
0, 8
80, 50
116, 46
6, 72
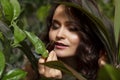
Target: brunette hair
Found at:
89, 48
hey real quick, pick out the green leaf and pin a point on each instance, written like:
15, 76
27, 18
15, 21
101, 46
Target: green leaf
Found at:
2, 63
7, 9
38, 44
117, 27
57, 65
16, 9
65, 68
31, 57
1, 36
6, 30
109, 72
15, 74
117, 20
119, 51
19, 35
42, 12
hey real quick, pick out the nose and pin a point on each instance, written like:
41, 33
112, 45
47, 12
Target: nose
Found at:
60, 34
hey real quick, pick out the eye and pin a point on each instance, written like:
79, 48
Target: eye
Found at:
73, 28
54, 26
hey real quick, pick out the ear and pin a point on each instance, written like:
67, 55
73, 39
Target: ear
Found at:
102, 58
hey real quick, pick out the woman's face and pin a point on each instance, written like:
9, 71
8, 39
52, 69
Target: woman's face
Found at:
63, 32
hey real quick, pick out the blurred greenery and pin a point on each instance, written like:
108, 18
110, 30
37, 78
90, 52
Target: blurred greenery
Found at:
107, 7
31, 18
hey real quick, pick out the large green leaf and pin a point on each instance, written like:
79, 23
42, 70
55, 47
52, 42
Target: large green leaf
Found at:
16, 9
2, 63
7, 9
15, 74
109, 72
19, 35
38, 44
117, 27
117, 20
65, 68
119, 52
42, 12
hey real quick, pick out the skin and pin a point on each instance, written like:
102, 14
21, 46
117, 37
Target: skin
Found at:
66, 39
62, 32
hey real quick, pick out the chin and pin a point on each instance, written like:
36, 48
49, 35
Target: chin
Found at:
60, 55
63, 54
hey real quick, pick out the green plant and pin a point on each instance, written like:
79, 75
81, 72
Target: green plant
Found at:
14, 35
10, 26
15, 74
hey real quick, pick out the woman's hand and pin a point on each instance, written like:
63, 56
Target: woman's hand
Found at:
46, 71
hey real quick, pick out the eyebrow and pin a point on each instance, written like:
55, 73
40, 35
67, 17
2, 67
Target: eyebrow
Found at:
55, 21
67, 22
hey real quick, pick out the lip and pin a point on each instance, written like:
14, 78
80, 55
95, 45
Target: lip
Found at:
59, 45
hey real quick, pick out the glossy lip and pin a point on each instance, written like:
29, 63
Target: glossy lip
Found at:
60, 45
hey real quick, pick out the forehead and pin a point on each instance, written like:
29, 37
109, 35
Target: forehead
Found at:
61, 13
60, 8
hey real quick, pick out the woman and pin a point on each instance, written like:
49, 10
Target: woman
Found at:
75, 43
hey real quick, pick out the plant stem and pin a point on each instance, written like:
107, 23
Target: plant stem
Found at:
27, 51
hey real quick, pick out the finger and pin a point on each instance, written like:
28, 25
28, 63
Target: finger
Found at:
53, 73
41, 60
50, 57
58, 74
49, 71
41, 68
54, 56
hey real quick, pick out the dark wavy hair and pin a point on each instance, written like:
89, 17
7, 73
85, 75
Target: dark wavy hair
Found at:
90, 46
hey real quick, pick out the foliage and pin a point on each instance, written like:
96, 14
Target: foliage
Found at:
116, 21
20, 24
12, 33
109, 73
38, 44
2, 62
107, 7
15, 74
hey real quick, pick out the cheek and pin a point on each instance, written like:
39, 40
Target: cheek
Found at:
75, 43
75, 40
51, 35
